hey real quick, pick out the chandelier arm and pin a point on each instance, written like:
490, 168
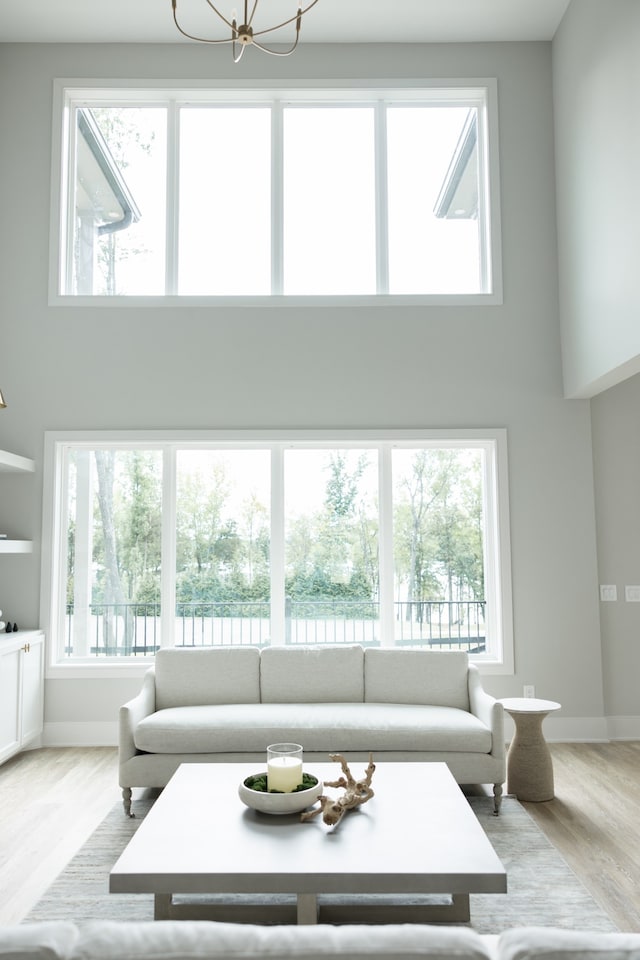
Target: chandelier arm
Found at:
221, 15
235, 35
298, 16
237, 57
191, 36
249, 20
276, 53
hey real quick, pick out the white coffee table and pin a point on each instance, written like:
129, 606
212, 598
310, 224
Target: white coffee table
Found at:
417, 836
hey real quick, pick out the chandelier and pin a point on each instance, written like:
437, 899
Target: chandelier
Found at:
245, 34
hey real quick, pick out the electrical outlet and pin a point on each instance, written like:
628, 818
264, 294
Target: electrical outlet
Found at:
608, 591
632, 594
529, 691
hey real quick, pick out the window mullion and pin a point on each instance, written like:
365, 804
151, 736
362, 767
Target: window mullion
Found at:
488, 204
277, 199
168, 549
60, 541
278, 622
382, 208
83, 555
173, 199
67, 236
385, 548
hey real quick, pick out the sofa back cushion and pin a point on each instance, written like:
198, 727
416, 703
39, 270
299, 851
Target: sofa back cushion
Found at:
312, 674
434, 677
202, 940
208, 675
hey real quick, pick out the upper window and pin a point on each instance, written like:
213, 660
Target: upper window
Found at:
380, 540
249, 194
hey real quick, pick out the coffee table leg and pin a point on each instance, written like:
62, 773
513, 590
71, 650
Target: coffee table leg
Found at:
307, 908
307, 911
460, 911
162, 906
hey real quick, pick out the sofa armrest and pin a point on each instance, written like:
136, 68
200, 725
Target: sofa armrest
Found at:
132, 713
488, 709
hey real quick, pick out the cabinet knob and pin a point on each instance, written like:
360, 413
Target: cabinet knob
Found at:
26, 648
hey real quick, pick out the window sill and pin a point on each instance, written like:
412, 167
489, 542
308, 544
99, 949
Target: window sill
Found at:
91, 670
280, 302
120, 669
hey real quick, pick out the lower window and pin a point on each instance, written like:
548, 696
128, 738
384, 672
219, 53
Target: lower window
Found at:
399, 539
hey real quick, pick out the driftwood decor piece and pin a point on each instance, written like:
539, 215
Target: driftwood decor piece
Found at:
356, 792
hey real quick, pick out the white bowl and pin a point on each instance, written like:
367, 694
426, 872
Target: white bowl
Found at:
279, 803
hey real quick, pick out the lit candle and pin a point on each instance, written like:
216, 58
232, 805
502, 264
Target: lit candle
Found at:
284, 767
284, 774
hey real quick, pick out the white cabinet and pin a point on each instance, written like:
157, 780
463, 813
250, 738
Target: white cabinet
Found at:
21, 653
12, 463
21, 690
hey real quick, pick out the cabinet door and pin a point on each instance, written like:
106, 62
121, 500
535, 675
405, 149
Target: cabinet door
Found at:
32, 674
9, 701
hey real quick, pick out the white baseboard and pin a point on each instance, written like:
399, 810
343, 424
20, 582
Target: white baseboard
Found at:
556, 729
85, 734
624, 728
559, 729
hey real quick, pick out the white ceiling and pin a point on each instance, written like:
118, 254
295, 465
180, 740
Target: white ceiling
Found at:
350, 21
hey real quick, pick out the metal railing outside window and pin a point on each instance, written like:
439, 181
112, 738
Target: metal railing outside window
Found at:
133, 629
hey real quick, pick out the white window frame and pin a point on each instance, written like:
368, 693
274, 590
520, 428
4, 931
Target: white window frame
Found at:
482, 92
497, 560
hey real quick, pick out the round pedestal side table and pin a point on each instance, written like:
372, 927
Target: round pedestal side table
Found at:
529, 764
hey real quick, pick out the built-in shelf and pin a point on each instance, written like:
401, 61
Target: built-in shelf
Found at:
15, 546
13, 463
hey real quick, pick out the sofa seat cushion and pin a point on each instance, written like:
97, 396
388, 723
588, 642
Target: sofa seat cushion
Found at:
330, 727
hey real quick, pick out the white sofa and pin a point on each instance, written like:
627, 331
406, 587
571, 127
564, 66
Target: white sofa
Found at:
203, 940
228, 703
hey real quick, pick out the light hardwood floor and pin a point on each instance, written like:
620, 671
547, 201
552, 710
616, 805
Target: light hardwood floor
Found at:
52, 799
594, 821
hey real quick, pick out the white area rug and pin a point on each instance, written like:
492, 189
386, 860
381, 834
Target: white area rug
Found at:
543, 890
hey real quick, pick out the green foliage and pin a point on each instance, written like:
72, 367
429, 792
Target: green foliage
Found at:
342, 486
127, 527
438, 526
258, 782
223, 542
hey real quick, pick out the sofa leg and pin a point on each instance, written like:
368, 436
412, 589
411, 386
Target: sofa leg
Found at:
497, 798
126, 801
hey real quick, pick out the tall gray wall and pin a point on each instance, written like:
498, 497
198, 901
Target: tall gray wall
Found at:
596, 71
616, 446
98, 368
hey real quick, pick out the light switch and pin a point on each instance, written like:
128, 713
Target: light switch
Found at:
608, 591
632, 594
